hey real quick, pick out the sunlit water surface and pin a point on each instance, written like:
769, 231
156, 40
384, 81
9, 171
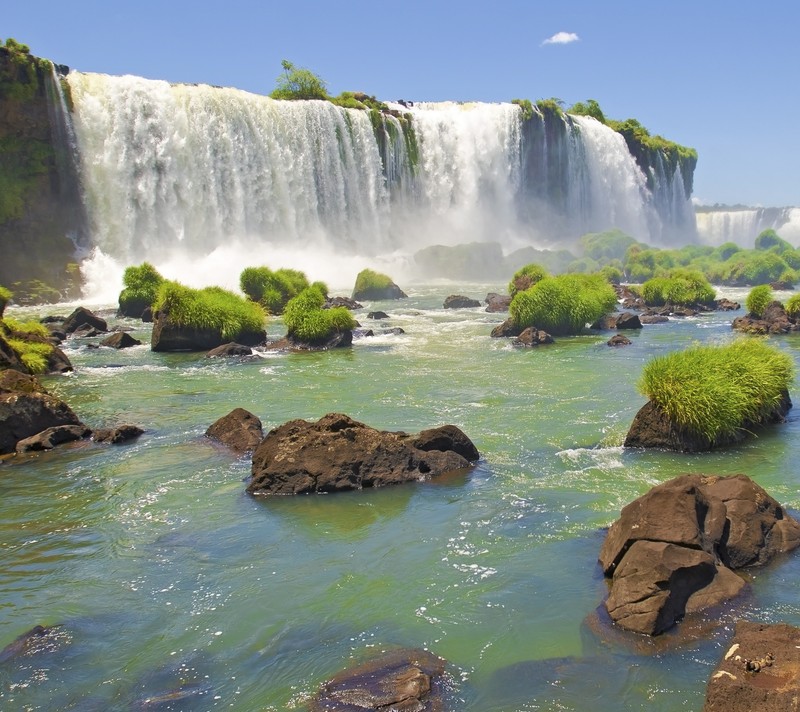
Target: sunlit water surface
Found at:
177, 590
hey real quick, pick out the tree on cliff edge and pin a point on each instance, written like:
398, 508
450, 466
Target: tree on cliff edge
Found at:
299, 83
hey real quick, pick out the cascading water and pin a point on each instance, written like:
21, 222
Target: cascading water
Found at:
743, 225
228, 179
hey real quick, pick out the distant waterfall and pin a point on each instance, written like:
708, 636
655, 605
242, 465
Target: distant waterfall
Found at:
743, 225
176, 172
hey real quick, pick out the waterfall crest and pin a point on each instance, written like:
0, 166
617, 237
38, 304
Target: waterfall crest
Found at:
184, 170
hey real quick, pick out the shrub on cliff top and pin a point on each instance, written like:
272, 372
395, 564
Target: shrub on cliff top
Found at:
716, 391
680, 286
209, 308
298, 83
564, 304
307, 321
28, 340
758, 299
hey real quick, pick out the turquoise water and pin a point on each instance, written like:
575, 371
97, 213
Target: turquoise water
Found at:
176, 590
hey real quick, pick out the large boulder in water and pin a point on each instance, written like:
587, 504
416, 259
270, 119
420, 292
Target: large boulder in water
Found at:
760, 670
774, 320
674, 549
169, 336
24, 414
239, 430
401, 681
83, 317
459, 301
338, 453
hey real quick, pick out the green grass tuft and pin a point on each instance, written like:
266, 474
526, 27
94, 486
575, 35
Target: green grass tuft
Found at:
680, 286
525, 277
140, 287
564, 304
715, 391
210, 308
792, 306
369, 279
33, 354
308, 322
272, 289
758, 299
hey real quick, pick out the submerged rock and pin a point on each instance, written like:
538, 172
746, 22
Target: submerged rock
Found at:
338, 453
497, 302
619, 340
119, 434
24, 414
507, 329
398, 681
239, 430
533, 337
120, 340
760, 670
51, 437
230, 349
673, 550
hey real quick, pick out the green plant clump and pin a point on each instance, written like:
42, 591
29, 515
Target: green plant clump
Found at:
140, 288
307, 321
525, 277
210, 308
681, 287
526, 107
272, 289
716, 391
770, 240
368, 279
28, 340
792, 306
758, 299
606, 246
564, 304
298, 83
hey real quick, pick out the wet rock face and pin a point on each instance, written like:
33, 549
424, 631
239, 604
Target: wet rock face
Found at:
674, 549
239, 430
459, 301
338, 453
169, 336
400, 681
774, 320
760, 670
84, 317
25, 414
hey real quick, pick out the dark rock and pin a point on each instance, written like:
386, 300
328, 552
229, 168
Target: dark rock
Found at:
672, 551
626, 320
653, 319
51, 437
760, 670
457, 301
147, 315
337, 340
380, 293
133, 308
786, 286
619, 340
117, 435
394, 331
239, 430
633, 303
346, 302
120, 340
168, 336
605, 322
87, 331
683, 311
57, 362
231, 349
53, 319
57, 334
497, 302
774, 320
652, 428
26, 414
9, 358
82, 316
362, 333
39, 639
377, 315
15, 381
401, 681
507, 329
533, 337
338, 453
726, 305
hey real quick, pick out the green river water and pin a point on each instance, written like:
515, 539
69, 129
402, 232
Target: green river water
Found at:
177, 590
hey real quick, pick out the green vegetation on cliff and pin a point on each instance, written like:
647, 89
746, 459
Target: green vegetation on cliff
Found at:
29, 342
680, 286
758, 299
565, 304
715, 391
525, 277
210, 308
369, 280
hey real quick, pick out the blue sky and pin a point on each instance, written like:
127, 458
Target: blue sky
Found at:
719, 76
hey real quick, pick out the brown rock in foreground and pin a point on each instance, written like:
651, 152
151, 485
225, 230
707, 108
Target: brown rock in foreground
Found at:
239, 430
672, 550
398, 681
760, 670
338, 453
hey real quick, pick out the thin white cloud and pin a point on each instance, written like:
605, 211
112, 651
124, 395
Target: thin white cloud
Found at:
562, 38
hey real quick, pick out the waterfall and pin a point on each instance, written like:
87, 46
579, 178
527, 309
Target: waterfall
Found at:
227, 179
743, 225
